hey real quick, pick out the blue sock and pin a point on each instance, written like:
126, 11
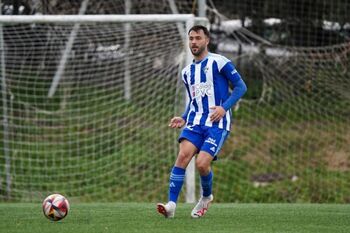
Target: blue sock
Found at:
207, 182
177, 177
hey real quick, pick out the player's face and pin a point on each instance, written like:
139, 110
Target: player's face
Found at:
198, 42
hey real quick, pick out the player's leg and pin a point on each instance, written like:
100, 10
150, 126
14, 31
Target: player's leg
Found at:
186, 151
211, 146
203, 163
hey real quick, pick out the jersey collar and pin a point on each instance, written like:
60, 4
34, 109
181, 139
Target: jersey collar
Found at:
205, 58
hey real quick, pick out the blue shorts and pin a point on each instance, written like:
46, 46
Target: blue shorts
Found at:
208, 139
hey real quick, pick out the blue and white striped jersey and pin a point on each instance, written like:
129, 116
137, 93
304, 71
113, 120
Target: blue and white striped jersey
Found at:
207, 85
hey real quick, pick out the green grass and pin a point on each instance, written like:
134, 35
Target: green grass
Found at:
135, 217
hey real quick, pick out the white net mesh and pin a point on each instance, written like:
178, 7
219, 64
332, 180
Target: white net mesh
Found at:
291, 136
291, 144
90, 140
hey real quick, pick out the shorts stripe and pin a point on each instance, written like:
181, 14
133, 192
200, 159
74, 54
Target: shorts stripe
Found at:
223, 137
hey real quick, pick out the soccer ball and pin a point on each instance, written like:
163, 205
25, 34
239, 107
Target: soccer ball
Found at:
55, 207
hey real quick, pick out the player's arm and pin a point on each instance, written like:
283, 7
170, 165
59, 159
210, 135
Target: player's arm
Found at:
239, 86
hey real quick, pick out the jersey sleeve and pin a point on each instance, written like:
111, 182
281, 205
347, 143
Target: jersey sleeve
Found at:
239, 86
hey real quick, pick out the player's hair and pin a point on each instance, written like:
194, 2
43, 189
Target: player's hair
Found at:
197, 28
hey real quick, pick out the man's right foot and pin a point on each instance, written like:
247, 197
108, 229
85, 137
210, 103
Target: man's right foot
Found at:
168, 210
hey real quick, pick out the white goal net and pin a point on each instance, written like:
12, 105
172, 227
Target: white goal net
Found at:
85, 103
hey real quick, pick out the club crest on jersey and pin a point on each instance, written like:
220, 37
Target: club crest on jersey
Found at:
202, 89
205, 69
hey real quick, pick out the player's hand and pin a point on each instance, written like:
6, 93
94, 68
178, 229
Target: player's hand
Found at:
218, 113
176, 122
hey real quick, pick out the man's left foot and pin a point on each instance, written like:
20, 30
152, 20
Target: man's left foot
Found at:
202, 206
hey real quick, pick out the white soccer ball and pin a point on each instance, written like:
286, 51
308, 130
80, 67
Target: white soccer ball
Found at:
55, 207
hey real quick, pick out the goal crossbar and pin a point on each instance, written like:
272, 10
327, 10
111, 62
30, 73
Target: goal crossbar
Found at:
13, 19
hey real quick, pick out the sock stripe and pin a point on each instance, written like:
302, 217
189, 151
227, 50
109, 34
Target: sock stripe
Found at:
176, 177
179, 179
176, 180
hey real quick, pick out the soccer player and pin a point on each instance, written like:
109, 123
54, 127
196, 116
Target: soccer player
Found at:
207, 118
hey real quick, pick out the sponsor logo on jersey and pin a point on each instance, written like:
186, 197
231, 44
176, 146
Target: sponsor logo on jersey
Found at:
200, 90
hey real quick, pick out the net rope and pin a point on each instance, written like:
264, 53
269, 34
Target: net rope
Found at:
88, 141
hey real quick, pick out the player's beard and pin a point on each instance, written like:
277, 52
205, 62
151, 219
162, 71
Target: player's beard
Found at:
200, 50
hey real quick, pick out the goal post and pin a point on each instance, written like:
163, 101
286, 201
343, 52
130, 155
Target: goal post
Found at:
87, 140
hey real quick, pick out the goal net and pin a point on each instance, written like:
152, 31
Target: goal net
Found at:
291, 144
86, 102
85, 106
290, 139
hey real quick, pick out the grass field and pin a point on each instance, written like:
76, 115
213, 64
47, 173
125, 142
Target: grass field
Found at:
221, 218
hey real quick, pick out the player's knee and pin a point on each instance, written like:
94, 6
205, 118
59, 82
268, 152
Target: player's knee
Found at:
203, 166
183, 159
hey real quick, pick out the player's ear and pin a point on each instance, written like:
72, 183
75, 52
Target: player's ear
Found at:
207, 40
